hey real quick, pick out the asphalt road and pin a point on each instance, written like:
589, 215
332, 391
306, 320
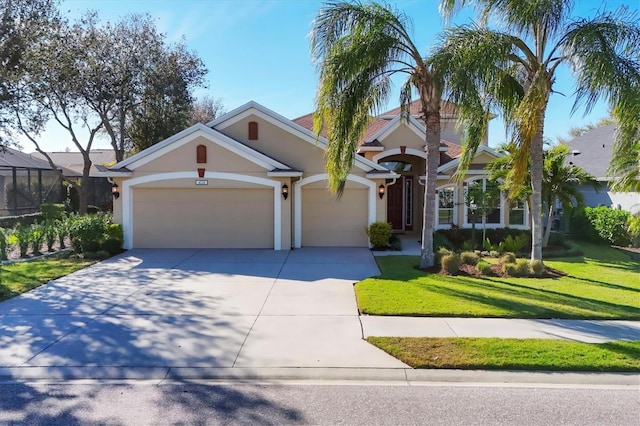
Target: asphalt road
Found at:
239, 404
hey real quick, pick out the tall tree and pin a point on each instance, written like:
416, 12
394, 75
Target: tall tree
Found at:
516, 65
357, 48
22, 24
625, 163
206, 109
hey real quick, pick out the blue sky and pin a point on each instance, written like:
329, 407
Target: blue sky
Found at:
259, 50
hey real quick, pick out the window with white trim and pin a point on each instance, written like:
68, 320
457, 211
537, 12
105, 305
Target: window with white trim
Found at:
517, 212
482, 194
446, 205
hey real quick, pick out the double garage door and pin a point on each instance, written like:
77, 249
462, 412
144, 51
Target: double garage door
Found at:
203, 218
243, 218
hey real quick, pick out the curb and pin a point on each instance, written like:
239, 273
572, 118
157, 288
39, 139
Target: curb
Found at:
402, 376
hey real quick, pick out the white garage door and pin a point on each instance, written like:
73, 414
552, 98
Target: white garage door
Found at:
203, 218
327, 221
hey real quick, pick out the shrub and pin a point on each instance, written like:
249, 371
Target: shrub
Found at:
508, 257
612, 225
441, 241
62, 229
87, 232
52, 212
37, 238
440, 253
50, 233
451, 263
484, 268
469, 258
112, 246
522, 268
395, 243
22, 234
537, 267
25, 219
114, 231
513, 244
379, 234
3, 245
509, 269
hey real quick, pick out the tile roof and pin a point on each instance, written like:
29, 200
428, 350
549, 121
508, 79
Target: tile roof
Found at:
74, 162
596, 149
10, 157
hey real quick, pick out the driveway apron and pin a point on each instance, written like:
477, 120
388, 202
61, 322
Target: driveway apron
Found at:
166, 308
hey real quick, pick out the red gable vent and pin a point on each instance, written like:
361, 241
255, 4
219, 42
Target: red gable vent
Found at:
253, 131
201, 154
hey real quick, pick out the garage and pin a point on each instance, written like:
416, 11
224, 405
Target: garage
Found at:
327, 221
203, 218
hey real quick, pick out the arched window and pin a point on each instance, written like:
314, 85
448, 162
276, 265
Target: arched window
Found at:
253, 131
201, 154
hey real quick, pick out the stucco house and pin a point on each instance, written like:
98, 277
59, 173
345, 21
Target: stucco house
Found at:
255, 179
593, 151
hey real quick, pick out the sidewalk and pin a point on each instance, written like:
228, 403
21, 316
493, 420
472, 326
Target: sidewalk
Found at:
589, 331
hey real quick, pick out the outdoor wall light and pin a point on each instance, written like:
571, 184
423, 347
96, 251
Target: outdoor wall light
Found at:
285, 191
114, 191
381, 191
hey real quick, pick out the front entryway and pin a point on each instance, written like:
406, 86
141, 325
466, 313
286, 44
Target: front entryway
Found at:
400, 204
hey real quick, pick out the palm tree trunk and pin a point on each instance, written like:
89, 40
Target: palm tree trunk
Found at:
547, 230
537, 164
432, 138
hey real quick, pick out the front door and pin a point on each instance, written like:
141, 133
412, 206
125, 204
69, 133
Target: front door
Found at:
395, 210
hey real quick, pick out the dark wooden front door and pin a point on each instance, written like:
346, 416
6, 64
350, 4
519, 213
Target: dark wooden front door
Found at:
394, 204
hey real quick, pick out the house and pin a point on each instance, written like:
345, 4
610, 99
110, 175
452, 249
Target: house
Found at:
593, 151
255, 179
72, 164
26, 182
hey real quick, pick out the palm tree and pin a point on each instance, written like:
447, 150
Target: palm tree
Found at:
561, 183
358, 48
516, 67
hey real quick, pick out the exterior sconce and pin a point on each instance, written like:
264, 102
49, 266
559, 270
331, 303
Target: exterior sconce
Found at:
114, 191
285, 191
381, 191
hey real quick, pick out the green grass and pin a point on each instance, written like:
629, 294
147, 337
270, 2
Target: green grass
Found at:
512, 354
602, 284
17, 278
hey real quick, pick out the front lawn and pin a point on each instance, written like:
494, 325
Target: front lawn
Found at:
19, 277
512, 354
602, 284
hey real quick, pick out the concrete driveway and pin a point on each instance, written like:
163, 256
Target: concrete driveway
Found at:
155, 311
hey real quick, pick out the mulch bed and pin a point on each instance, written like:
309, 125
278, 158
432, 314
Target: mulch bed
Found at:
13, 252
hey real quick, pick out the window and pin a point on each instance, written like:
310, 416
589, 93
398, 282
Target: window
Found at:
516, 212
201, 154
396, 166
445, 206
483, 200
253, 131
408, 194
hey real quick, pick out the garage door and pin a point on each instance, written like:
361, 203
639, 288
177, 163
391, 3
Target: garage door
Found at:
327, 221
203, 218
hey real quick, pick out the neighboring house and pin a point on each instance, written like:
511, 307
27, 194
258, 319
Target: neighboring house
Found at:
26, 182
593, 151
254, 179
72, 163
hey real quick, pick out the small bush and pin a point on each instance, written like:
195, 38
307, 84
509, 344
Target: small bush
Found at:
440, 253
612, 225
451, 263
22, 234
37, 238
87, 232
513, 244
469, 258
508, 257
50, 233
441, 241
379, 234
537, 268
522, 268
509, 269
51, 212
395, 243
112, 246
484, 268
114, 231
467, 246
62, 229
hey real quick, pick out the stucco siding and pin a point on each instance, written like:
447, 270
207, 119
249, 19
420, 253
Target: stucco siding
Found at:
203, 218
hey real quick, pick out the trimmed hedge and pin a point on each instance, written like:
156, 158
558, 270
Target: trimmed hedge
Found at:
24, 220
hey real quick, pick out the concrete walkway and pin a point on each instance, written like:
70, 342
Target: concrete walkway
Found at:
577, 330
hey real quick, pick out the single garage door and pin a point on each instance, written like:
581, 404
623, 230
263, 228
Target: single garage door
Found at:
203, 218
327, 221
